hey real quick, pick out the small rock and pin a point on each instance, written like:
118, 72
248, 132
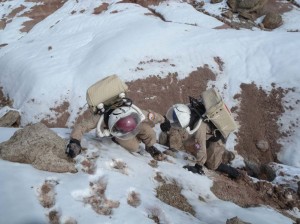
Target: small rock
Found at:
215, 1
298, 192
11, 118
228, 14
262, 145
267, 173
272, 20
252, 168
236, 220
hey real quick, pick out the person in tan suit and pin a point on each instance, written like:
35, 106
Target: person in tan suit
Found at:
127, 125
185, 130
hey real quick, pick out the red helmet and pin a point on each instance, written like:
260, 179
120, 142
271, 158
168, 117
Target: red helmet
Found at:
126, 124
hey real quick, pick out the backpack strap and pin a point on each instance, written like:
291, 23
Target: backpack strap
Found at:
198, 112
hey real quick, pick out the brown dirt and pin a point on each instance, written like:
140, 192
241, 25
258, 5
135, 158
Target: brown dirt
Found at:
61, 116
258, 115
245, 193
159, 94
171, 195
103, 7
54, 217
39, 12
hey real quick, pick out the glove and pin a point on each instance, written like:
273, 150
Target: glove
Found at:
73, 148
232, 172
155, 153
166, 125
195, 169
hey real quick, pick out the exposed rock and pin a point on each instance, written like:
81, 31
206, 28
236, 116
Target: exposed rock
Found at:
39, 146
11, 118
247, 15
2, 24
236, 220
246, 5
228, 14
252, 168
298, 188
233, 4
215, 1
263, 172
272, 20
262, 145
267, 173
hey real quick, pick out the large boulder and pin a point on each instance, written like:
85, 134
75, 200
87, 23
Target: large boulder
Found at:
246, 5
39, 146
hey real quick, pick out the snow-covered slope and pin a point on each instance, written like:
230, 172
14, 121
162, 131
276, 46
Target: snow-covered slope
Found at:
20, 191
74, 47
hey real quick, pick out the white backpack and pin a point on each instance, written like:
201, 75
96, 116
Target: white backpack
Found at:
217, 112
106, 91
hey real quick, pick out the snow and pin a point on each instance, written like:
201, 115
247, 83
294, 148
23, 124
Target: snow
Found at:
72, 188
184, 13
62, 56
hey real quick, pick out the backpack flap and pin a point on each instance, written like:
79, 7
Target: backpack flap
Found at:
105, 91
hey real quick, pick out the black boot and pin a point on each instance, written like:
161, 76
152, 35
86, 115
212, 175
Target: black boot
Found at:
155, 153
232, 172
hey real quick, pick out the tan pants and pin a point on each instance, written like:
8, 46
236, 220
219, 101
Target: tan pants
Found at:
146, 135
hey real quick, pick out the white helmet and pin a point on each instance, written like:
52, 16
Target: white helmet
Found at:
123, 122
179, 115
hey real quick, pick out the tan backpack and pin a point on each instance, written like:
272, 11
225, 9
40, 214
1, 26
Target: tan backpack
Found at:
106, 91
217, 112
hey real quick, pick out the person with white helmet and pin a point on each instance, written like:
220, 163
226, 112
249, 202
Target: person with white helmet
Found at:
127, 125
184, 129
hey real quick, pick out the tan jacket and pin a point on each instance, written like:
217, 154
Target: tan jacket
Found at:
146, 134
195, 144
